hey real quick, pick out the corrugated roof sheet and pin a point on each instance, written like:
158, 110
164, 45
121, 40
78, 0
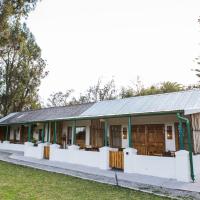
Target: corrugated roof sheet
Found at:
187, 101
46, 114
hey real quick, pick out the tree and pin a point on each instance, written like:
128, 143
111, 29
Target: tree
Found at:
99, 92
197, 61
21, 64
60, 99
140, 90
170, 87
126, 92
11, 12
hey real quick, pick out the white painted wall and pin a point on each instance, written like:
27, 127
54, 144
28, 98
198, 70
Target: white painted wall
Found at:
14, 147
196, 162
34, 152
150, 165
166, 167
81, 157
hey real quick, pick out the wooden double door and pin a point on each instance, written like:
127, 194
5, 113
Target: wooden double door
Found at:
149, 139
116, 136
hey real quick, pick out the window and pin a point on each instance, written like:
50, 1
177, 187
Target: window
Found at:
80, 136
124, 133
80, 133
169, 133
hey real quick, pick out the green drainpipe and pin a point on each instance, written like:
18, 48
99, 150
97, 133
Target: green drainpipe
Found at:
181, 119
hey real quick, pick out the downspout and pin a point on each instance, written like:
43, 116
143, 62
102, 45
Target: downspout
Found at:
181, 119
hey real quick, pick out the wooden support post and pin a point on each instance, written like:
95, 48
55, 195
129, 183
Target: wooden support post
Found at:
55, 133
48, 132
106, 133
74, 133
43, 133
129, 132
7, 129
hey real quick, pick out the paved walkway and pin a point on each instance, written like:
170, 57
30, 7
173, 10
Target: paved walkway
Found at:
150, 184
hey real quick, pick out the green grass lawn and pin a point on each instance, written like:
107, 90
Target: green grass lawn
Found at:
17, 182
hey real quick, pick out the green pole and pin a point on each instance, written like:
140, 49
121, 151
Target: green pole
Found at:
43, 133
48, 133
7, 129
129, 132
55, 133
29, 133
105, 133
189, 143
74, 132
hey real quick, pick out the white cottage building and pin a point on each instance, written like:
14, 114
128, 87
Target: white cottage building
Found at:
156, 135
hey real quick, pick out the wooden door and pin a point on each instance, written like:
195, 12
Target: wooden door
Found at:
156, 139
96, 133
24, 134
52, 125
2, 132
139, 139
69, 135
59, 133
149, 139
115, 136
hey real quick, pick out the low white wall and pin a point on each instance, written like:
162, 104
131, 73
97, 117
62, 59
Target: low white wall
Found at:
196, 162
152, 165
81, 157
75, 156
13, 147
34, 152
166, 167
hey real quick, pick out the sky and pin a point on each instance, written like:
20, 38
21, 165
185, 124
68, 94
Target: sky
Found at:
83, 40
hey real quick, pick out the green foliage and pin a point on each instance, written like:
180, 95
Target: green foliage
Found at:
98, 92
21, 64
59, 99
11, 12
140, 90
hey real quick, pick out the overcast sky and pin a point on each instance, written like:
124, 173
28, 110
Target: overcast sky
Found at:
83, 40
